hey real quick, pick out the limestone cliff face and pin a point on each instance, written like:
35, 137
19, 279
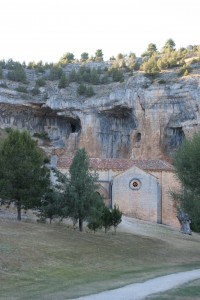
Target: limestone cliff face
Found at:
139, 118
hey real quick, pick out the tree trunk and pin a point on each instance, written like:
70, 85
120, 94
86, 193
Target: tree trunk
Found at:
80, 223
19, 217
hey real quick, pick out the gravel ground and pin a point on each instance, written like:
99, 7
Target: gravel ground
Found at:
139, 291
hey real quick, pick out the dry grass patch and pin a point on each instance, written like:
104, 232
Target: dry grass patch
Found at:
40, 261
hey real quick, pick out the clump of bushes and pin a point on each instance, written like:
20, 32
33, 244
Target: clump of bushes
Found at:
40, 81
35, 91
161, 81
41, 135
17, 73
1, 72
84, 90
107, 219
150, 67
56, 73
116, 74
63, 82
184, 70
3, 85
21, 89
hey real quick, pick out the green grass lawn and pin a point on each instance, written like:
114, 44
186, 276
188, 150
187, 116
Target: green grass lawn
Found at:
42, 261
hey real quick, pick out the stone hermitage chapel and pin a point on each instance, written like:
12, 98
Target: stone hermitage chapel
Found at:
140, 188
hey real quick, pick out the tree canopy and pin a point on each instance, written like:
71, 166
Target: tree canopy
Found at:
187, 168
24, 175
169, 45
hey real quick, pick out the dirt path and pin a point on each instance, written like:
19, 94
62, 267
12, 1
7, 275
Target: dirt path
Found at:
139, 291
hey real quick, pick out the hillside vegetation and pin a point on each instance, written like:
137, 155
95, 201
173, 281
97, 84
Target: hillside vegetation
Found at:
40, 261
81, 77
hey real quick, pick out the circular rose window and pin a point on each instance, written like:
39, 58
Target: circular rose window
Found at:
135, 184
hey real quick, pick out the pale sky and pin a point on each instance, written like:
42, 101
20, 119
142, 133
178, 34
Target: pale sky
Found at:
33, 30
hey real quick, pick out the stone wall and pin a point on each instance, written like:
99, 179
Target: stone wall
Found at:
167, 182
140, 202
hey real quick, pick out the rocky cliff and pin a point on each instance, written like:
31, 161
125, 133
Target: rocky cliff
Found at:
139, 118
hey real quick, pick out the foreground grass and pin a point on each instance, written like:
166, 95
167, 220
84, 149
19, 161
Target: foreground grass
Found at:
40, 261
189, 291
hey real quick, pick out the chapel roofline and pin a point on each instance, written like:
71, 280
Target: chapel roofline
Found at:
116, 164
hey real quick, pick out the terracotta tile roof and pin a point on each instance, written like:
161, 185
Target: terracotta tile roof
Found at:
118, 164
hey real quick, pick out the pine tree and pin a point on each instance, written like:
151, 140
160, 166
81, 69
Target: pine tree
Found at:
63, 81
187, 169
116, 217
24, 176
106, 218
81, 198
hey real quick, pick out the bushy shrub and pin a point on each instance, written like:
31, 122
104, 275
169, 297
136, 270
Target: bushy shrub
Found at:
35, 91
39, 67
184, 70
150, 67
99, 55
104, 79
2, 64
3, 85
56, 73
84, 56
81, 90
40, 81
117, 74
66, 59
21, 89
161, 81
41, 135
1, 73
133, 63
87, 91
73, 76
62, 82
17, 74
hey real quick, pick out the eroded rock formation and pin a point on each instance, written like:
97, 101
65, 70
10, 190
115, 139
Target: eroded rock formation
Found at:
140, 118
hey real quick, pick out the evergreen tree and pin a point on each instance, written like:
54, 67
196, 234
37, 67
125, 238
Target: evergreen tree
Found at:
116, 217
84, 56
51, 205
1, 72
150, 67
151, 50
66, 59
81, 90
24, 176
107, 218
99, 55
89, 91
62, 82
169, 45
17, 73
187, 168
56, 73
81, 198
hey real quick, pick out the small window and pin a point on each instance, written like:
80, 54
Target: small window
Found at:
135, 184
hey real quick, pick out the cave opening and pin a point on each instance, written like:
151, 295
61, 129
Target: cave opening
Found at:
173, 138
138, 137
73, 128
